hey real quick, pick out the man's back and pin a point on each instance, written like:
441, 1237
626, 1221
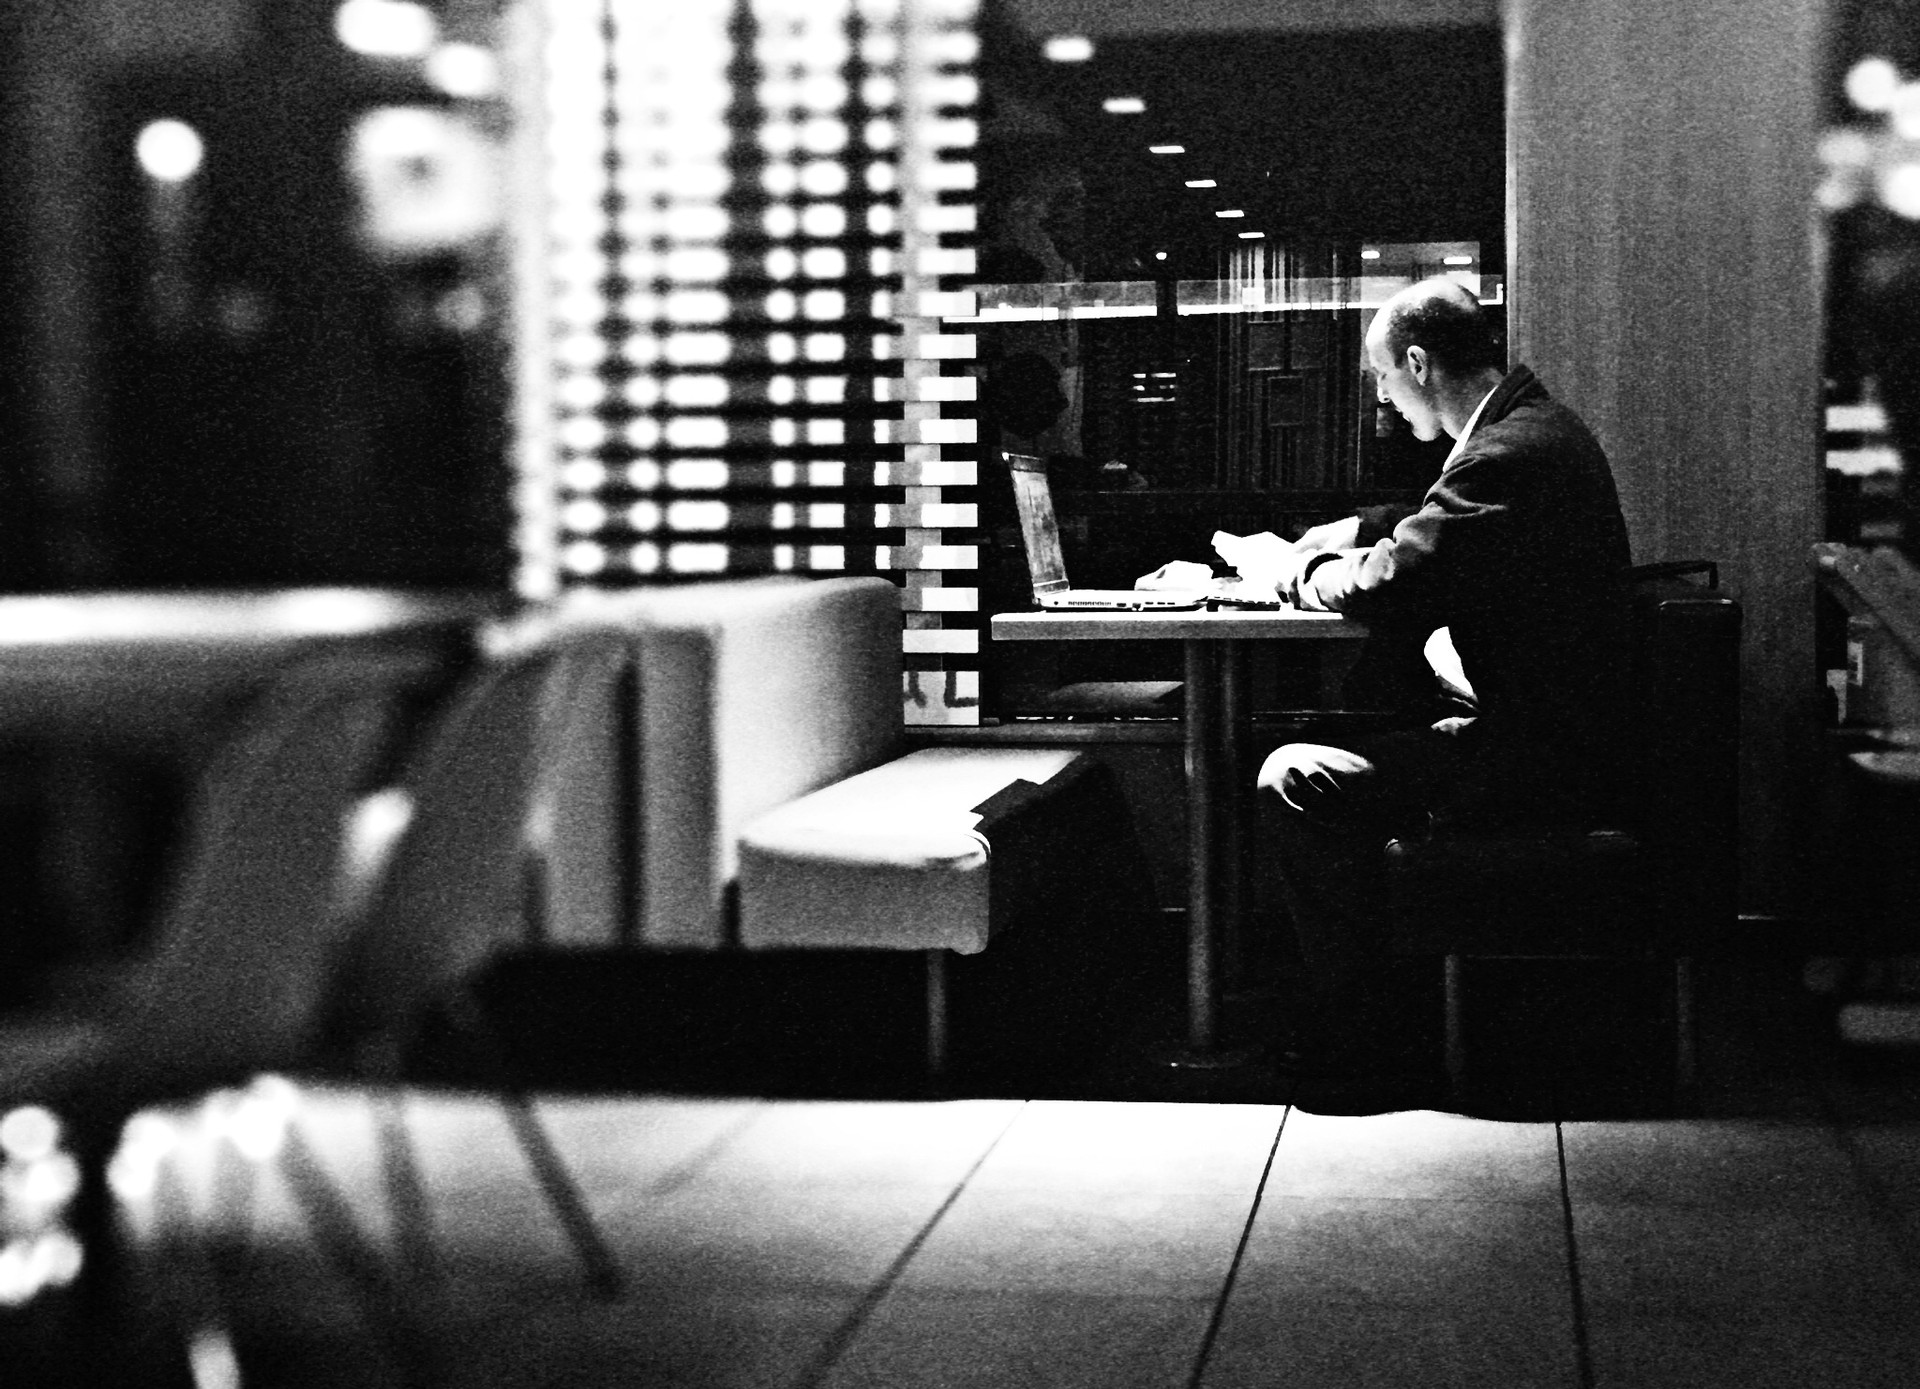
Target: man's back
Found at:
1521, 550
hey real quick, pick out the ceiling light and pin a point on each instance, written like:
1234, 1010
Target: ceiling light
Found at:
1068, 48
1900, 190
1456, 260
1369, 255
1845, 148
1252, 236
463, 70
1166, 149
1905, 111
1159, 255
1871, 84
1123, 106
169, 150
1202, 183
1230, 212
386, 28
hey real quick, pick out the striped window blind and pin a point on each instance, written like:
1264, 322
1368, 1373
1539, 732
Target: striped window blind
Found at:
739, 224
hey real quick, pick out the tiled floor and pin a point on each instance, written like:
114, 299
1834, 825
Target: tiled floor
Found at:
1772, 1239
1001, 1242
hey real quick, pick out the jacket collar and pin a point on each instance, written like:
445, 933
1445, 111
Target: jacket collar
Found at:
1518, 385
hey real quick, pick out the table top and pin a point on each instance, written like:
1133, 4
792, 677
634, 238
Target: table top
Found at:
1226, 624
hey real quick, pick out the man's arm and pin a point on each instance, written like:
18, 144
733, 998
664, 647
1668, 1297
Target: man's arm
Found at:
1377, 522
1266, 561
1468, 508
1343, 534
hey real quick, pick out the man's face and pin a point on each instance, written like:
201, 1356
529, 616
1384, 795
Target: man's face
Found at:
1399, 387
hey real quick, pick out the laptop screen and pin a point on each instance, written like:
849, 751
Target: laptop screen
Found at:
1039, 530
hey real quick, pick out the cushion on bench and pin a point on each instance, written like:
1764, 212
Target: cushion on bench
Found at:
896, 858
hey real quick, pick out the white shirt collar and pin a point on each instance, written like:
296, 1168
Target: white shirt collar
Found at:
1461, 443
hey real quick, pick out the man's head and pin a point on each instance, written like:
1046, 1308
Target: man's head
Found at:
1430, 346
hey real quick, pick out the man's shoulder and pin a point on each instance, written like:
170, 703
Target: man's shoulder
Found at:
1537, 414
1534, 424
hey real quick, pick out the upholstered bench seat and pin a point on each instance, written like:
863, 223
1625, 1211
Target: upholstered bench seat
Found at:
743, 787
900, 857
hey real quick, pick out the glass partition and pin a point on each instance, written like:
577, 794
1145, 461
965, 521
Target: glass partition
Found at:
1183, 238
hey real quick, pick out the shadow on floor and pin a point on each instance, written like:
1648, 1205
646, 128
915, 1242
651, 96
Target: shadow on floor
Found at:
1545, 1040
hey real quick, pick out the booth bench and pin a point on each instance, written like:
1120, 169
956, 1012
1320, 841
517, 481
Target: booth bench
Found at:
751, 789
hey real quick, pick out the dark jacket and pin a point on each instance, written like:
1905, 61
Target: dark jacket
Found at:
1520, 549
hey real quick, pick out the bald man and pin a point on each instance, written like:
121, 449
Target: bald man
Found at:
1519, 552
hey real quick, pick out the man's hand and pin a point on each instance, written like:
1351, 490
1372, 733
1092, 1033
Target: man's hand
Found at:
1263, 561
1262, 551
1343, 534
1177, 574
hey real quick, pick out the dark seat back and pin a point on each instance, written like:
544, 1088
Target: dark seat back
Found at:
1657, 876
1685, 745
1659, 882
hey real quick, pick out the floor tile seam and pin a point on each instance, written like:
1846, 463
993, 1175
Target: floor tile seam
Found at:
1193, 1287
1789, 1204
935, 1293
843, 1336
707, 1183
1551, 1200
674, 1177
695, 1292
1226, 1191
1546, 1201
682, 1289
683, 1100
1576, 1291
1211, 1333
1537, 1310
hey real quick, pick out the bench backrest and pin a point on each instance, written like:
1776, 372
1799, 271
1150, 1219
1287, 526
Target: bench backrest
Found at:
745, 694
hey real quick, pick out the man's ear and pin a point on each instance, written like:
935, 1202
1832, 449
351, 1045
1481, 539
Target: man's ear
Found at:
1418, 366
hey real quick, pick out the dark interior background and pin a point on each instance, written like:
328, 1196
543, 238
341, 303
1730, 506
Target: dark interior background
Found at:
1383, 134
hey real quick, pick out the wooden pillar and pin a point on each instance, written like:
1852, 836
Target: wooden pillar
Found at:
1662, 282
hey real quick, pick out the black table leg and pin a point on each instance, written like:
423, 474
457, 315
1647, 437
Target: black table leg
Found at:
1202, 846
1232, 799
1208, 805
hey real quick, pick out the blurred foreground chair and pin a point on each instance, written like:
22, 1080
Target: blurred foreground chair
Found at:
262, 964
451, 897
1656, 883
235, 972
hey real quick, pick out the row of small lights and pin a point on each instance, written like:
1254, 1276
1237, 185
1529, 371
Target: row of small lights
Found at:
1077, 48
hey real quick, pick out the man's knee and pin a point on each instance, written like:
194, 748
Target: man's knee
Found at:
1315, 781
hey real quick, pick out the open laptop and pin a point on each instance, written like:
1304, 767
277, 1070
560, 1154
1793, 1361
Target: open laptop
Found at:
1046, 562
